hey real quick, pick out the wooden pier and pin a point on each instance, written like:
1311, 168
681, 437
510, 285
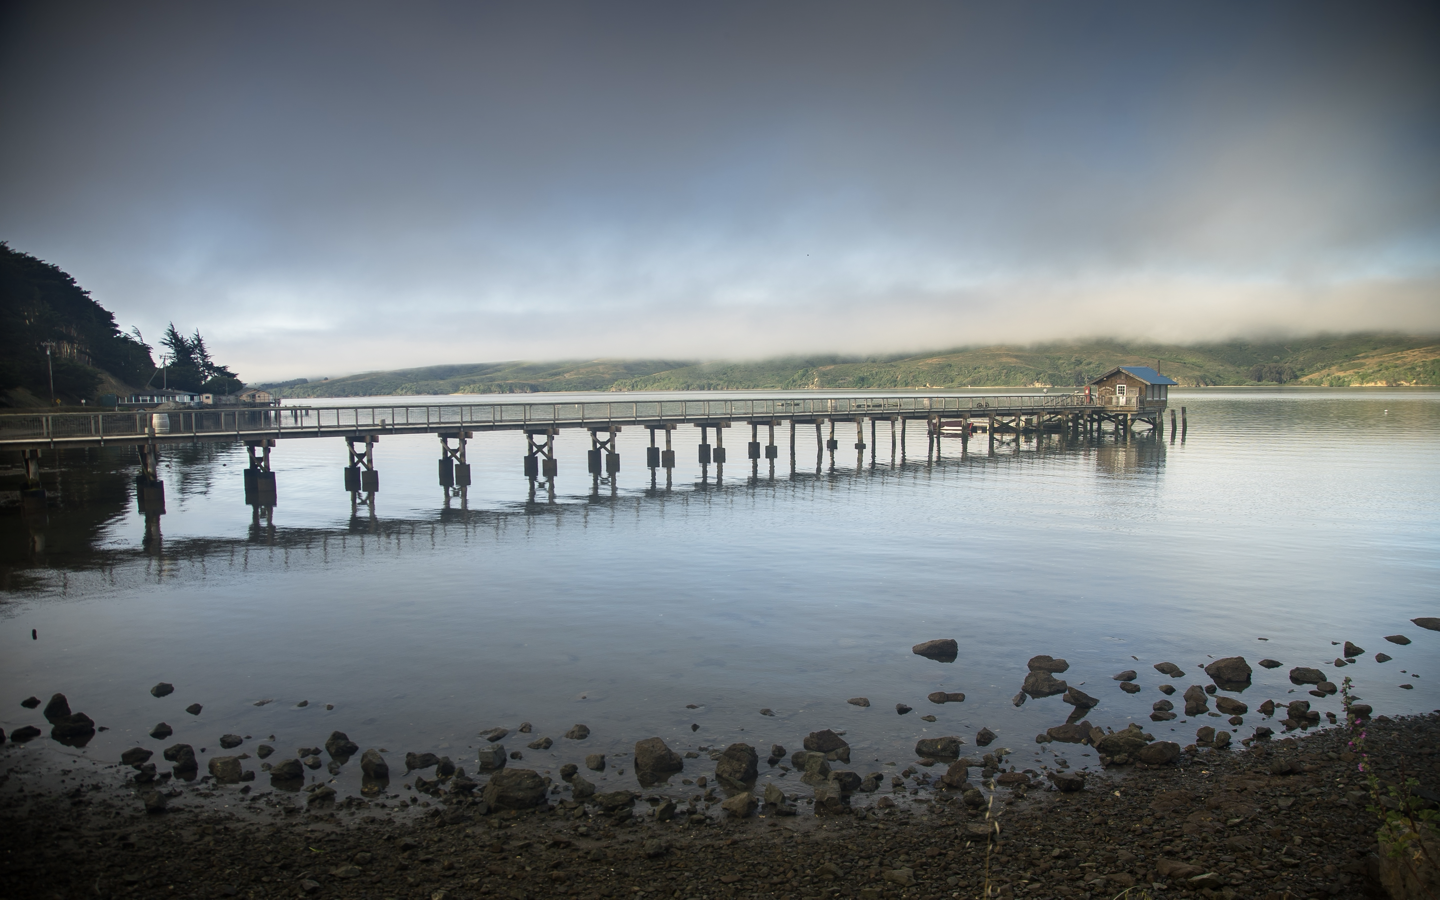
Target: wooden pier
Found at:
1084, 412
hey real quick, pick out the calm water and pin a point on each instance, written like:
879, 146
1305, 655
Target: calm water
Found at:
1303, 517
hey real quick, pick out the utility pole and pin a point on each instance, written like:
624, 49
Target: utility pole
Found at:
50, 366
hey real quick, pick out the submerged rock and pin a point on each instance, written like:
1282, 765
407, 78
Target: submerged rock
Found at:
595, 762
494, 734
231, 741
1079, 699
1040, 683
946, 697
1400, 639
1129, 687
578, 733
163, 689
1304, 675
1169, 668
1428, 622
1045, 663
161, 732
859, 701
939, 747
1231, 673
1127, 675
1271, 663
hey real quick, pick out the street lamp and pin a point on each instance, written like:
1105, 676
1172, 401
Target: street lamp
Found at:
50, 345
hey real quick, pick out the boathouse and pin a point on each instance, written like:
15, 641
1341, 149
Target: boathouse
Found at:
1139, 389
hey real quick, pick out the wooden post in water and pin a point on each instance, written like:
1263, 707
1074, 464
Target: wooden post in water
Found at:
903, 422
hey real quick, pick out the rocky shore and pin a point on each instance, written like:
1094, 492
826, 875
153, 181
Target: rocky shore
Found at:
1284, 818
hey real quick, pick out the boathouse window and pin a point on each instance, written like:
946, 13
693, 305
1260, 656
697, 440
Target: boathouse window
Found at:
1120, 392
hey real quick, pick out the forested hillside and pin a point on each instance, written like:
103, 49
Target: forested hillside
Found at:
41, 304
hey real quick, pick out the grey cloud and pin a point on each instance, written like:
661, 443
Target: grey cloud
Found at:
343, 187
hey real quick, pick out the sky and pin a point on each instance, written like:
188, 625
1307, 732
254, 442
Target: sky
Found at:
326, 188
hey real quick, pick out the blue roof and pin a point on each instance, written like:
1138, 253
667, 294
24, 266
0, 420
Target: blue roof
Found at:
1149, 375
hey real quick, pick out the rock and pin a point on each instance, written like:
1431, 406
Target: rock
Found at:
1267, 708
1162, 716
984, 737
1167, 689
1352, 651
1079, 699
1012, 779
1169, 668
1205, 734
135, 756
655, 762
1068, 782
581, 787
943, 650
1018, 700
944, 697
902, 708
1231, 673
1230, 706
1326, 687
75, 729
1127, 675
1361, 710
1428, 622
1303, 675
847, 782
194, 709
956, 776
515, 789
826, 742
859, 701
543, 743
225, 769
569, 771
1158, 753
340, 747
1044, 663
163, 689
1126, 742
775, 800
741, 806
374, 766
58, 708
578, 733
1129, 687
30, 702
322, 794
494, 734
1383, 657
287, 770
738, 767
1069, 733
615, 801
231, 741
814, 768
155, 802
312, 762
1169, 868
830, 800
525, 728
939, 747
777, 753
595, 762
161, 732
1400, 639
491, 758
1196, 700
182, 755
902, 877
1271, 663
1040, 683
1221, 741
415, 761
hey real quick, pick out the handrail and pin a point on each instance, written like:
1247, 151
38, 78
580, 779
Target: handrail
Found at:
285, 421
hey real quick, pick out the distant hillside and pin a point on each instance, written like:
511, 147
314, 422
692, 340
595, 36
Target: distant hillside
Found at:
1337, 361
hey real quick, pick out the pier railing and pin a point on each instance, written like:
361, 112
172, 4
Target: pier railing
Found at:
57, 429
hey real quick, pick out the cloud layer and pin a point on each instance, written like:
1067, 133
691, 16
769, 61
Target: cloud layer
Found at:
324, 189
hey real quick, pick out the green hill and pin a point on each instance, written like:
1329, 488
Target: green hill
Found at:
1333, 360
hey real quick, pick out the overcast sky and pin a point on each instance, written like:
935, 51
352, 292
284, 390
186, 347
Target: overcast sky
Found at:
330, 188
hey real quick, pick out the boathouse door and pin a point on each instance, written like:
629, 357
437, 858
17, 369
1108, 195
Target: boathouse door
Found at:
1119, 395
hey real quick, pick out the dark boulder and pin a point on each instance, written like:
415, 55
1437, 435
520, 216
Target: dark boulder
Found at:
1126, 742
1230, 706
163, 689
1304, 675
374, 766
1127, 675
1129, 687
1352, 651
1231, 673
946, 697
1159, 753
23, 734
182, 755
1050, 664
1079, 699
939, 747
415, 761
984, 737
738, 767
231, 741
1169, 668
1400, 639
194, 709
1196, 700
655, 762
74, 730
942, 650
287, 770
491, 758
225, 769
1428, 622
1040, 683
135, 756
1271, 663
859, 701
30, 702
1068, 782
340, 747
578, 733
161, 732
57, 708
